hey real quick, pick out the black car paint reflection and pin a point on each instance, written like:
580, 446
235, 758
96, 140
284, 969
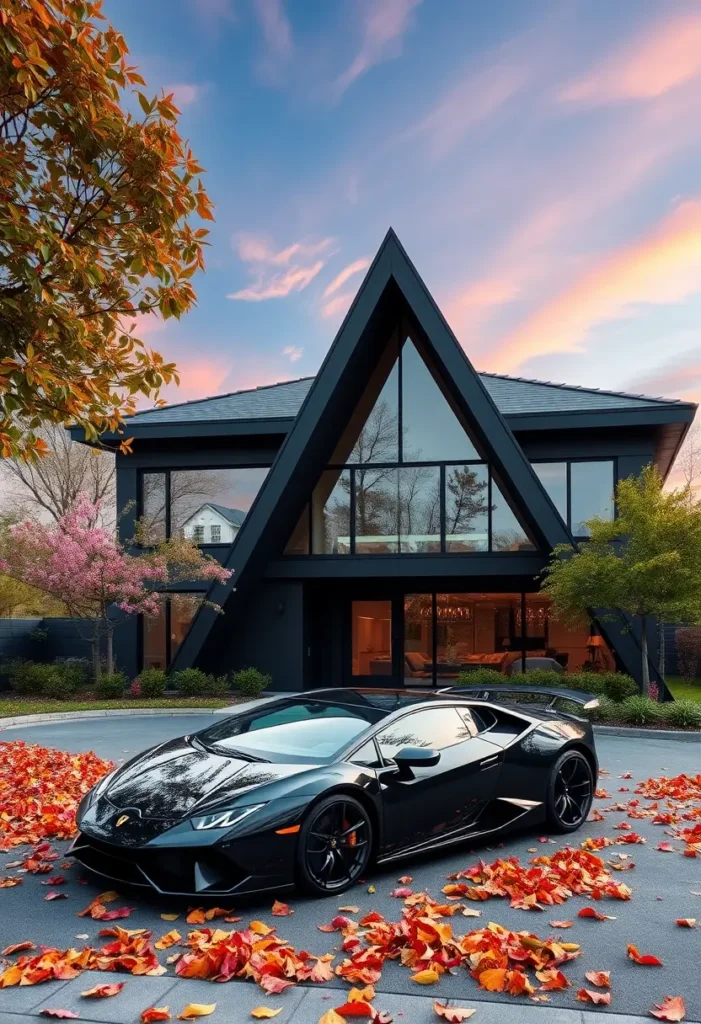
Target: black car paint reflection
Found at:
286, 754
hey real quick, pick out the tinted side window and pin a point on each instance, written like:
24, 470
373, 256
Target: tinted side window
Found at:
433, 729
470, 721
367, 756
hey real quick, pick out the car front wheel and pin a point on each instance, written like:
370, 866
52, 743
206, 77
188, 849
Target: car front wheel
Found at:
335, 844
570, 792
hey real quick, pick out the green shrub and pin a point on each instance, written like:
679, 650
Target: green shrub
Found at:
191, 682
75, 669
152, 682
481, 677
26, 677
618, 686
587, 682
59, 685
681, 714
607, 711
539, 677
218, 686
640, 711
111, 686
250, 682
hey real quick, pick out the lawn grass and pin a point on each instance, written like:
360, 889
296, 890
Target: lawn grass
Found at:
681, 690
19, 706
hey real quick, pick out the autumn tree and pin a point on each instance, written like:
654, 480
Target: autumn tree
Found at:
95, 232
646, 562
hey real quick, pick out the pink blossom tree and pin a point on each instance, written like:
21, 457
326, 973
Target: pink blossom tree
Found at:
86, 567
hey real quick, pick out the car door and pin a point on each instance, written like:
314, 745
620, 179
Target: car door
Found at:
423, 805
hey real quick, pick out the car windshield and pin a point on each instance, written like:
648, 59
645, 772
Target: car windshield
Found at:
293, 731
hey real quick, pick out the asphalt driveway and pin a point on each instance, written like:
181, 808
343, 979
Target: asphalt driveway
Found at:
665, 887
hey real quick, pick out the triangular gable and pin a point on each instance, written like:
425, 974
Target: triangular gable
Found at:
392, 291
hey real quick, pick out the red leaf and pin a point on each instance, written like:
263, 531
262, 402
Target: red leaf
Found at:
55, 880
646, 959
592, 912
402, 892
274, 985
665, 848
600, 978
586, 995
405, 880
103, 991
59, 1013
56, 896
115, 915
672, 1008
356, 1009
154, 1013
686, 922
281, 909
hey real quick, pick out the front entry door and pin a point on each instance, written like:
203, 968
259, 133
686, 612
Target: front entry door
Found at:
373, 643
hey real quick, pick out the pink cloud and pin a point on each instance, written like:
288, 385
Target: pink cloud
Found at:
338, 306
676, 378
212, 14
662, 267
293, 352
345, 274
384, 24
475, 98
198, 379
661, 57
275, 25
271, 282
184, 93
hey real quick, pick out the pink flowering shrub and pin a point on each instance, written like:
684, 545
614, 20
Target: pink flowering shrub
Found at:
135, 689
90, 571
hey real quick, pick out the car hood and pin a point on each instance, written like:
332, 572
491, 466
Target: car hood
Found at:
177, 779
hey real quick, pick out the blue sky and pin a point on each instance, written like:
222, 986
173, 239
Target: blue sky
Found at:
540, 161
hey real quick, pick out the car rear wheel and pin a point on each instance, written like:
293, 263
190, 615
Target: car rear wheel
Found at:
570, 792
335, 844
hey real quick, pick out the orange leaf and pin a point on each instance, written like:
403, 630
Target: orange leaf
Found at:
168, 940
265, 1013
586, 995
672, 1008
331, 1017
197, 1010
494, 979
363, 995
196, 916
428, 977
260, 928
358, 1008
281, 909
154, 1013
560, 924
103, 991
600, 978
646, 959
683, 922
453, 1014
17, 948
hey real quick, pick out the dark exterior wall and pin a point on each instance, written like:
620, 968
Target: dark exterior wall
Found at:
270, 636
631, 448
44, 639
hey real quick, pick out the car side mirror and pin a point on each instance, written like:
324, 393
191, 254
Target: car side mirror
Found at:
416, 757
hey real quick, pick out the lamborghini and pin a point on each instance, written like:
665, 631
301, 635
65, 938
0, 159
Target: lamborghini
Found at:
313, 788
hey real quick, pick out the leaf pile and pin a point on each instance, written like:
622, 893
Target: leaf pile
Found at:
550, 880
40, 789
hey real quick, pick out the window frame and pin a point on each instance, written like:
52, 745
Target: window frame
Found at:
569, 462
167, 609
166, 472
352, 467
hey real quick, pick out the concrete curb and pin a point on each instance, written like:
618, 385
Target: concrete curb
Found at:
656, 734
69, 716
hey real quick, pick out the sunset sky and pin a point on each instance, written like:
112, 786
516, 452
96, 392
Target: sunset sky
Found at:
540, 161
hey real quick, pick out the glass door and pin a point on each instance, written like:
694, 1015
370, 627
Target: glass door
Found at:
373, 650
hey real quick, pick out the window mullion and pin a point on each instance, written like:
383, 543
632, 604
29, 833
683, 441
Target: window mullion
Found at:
352, 510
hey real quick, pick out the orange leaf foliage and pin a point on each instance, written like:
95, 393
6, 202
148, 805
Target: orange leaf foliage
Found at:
600, 978
672, 1008
646, 959
453, 1014
587, 995
40, 789
154, 1013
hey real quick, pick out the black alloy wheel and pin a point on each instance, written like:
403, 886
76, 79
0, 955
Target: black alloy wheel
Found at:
335, 844
570, 792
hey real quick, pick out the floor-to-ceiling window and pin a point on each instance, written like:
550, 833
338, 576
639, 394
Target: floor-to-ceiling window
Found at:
163, 634
580, 489
371, 638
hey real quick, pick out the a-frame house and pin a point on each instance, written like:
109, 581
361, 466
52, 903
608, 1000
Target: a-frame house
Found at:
400, 533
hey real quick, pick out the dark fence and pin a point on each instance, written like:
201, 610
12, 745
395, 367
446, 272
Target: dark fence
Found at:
44, 639
670, 644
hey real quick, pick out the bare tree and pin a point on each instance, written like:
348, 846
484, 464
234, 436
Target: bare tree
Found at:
50, 486
689, 460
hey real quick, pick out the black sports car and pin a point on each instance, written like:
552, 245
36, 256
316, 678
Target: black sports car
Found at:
311, 788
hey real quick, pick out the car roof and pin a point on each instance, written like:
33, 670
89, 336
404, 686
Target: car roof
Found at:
386, 699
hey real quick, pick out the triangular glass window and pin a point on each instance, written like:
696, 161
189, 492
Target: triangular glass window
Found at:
404, 416
508, 533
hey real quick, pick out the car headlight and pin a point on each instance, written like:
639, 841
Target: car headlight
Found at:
224, 819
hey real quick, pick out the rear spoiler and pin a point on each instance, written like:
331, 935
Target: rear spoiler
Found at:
587, 701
